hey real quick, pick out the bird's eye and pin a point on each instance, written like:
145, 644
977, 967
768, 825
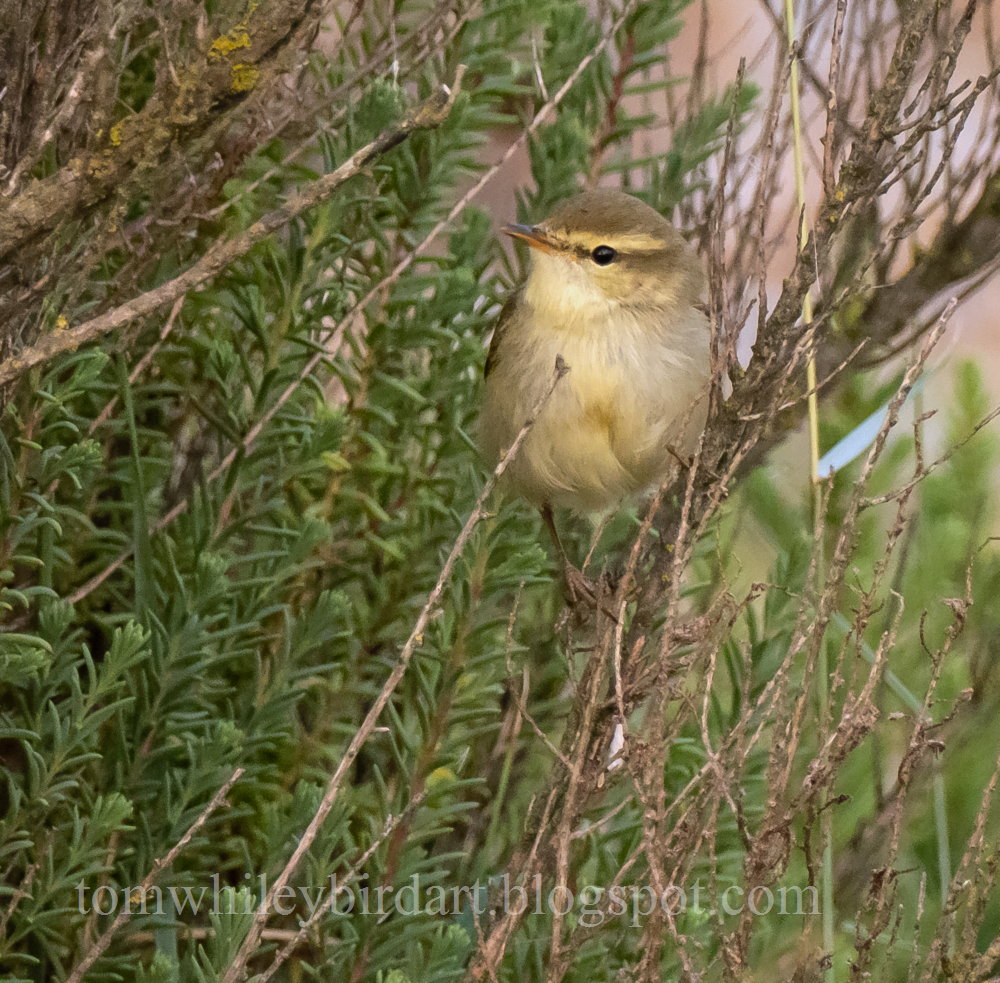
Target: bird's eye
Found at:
603, 255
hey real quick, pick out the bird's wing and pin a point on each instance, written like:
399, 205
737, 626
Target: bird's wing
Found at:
503, 322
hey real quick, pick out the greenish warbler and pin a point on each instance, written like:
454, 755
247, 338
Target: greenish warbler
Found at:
615, 292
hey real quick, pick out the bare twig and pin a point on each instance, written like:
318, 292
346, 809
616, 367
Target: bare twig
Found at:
293, 940
159, 865
430, 114
237, 969
339, 331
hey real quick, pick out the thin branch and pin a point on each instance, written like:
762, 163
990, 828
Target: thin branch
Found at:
293, 940
237, 969
170, 114
429, 115
159, 865
340, 329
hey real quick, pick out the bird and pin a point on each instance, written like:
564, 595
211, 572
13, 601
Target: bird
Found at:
614, 292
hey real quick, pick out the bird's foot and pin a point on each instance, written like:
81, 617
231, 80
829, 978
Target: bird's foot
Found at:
581, 589
687, 463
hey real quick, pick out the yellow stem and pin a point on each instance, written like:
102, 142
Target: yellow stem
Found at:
826, 821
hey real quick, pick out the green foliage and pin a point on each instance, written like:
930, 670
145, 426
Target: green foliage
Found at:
695, 142
949, 522
215, 562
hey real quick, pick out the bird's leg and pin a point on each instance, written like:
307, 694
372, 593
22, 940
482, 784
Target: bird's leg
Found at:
685, 463
578, 584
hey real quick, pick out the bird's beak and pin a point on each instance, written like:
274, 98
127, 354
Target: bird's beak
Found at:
533, 236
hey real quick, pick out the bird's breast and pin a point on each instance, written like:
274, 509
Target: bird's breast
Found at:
602, 434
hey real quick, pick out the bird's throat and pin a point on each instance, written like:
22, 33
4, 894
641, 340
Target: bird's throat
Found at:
561, 296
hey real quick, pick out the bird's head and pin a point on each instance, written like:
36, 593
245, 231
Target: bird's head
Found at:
608, 248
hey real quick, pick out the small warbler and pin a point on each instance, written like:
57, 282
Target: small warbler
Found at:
615, 292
